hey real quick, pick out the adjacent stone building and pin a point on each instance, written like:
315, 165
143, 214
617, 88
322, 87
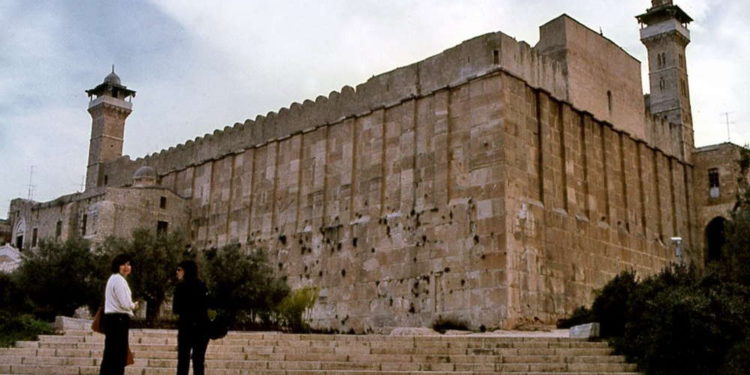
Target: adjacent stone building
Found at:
494, 183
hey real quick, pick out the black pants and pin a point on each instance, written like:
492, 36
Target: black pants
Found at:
115, 343
193, 339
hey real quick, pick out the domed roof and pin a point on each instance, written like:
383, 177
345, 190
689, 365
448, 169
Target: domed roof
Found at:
112, 79
144, 172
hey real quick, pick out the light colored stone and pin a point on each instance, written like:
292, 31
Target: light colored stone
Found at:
413, 331
585, 331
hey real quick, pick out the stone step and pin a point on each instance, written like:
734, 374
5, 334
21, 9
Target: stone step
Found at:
169, 337
270, 353
250, 368
131, 370
262, 335
280, 353
164, 357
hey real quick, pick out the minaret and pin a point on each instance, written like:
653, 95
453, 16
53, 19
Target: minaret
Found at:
109, 109
664, 32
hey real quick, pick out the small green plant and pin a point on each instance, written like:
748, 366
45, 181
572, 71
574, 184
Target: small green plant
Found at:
293, 308
21, 327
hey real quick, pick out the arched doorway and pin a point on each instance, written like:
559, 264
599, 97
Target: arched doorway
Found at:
714, 239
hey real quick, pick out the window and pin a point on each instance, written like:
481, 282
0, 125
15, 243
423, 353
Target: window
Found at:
161, 227
58, 229
661, 60
34, 233
609, 101
495, 57
662, 84
83, 224
713, 183
163, 202
106, 179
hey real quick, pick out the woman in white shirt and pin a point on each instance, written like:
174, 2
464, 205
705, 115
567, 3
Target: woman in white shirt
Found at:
118, 309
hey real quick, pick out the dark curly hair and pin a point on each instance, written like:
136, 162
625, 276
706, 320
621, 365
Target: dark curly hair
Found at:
190, 268
119, 260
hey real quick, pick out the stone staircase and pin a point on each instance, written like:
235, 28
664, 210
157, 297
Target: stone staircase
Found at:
269, 353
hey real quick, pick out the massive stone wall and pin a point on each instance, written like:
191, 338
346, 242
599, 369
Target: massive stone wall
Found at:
584, 202
490, 201
465, 186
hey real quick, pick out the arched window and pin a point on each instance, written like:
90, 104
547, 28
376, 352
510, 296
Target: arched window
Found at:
715, 239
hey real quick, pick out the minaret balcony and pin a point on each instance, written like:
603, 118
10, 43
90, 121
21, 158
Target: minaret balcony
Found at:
665, 27
104, 99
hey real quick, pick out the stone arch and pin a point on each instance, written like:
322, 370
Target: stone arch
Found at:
715, 239
18, 233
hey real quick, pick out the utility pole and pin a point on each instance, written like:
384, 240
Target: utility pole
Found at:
726, 120
31, 184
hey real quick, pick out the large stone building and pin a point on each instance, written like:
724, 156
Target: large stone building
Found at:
494, 183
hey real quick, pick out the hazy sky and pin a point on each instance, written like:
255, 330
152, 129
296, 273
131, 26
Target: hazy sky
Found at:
202, 65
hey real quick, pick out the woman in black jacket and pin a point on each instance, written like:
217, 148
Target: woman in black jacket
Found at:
191, 304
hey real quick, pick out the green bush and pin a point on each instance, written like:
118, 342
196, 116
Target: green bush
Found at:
14, 327
581, 315
12, 296
58, 277
443, 324
611, 304
737, 361
244, 287
677, 321
291, 310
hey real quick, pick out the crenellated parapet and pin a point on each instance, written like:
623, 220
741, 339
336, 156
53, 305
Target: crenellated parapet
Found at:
667, 137
469, 60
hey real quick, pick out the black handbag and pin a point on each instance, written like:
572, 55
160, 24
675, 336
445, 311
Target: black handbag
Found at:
218, 327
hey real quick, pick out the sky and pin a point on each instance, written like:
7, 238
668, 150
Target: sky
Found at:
198, 66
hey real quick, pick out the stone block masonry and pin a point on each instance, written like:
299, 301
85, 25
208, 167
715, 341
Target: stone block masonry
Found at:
465, 186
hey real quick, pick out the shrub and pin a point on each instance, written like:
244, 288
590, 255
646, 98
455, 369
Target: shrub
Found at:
244, 287
581, 315
611, 304
678, 321
15, 327
58, 277
291, 310
444, 324
737, 361
12, 296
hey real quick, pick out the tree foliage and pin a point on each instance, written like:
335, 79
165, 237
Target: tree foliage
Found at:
58, 277
155, 257
243, 284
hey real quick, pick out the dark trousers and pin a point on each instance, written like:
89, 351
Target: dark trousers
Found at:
191, 340
115, 343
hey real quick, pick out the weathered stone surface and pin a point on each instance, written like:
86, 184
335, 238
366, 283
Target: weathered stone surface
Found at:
585, 331
413, 331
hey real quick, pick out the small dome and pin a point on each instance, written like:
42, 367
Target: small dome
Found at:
144, 172
112, 79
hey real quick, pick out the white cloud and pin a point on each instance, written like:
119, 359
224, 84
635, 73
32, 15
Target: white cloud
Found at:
199, 66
